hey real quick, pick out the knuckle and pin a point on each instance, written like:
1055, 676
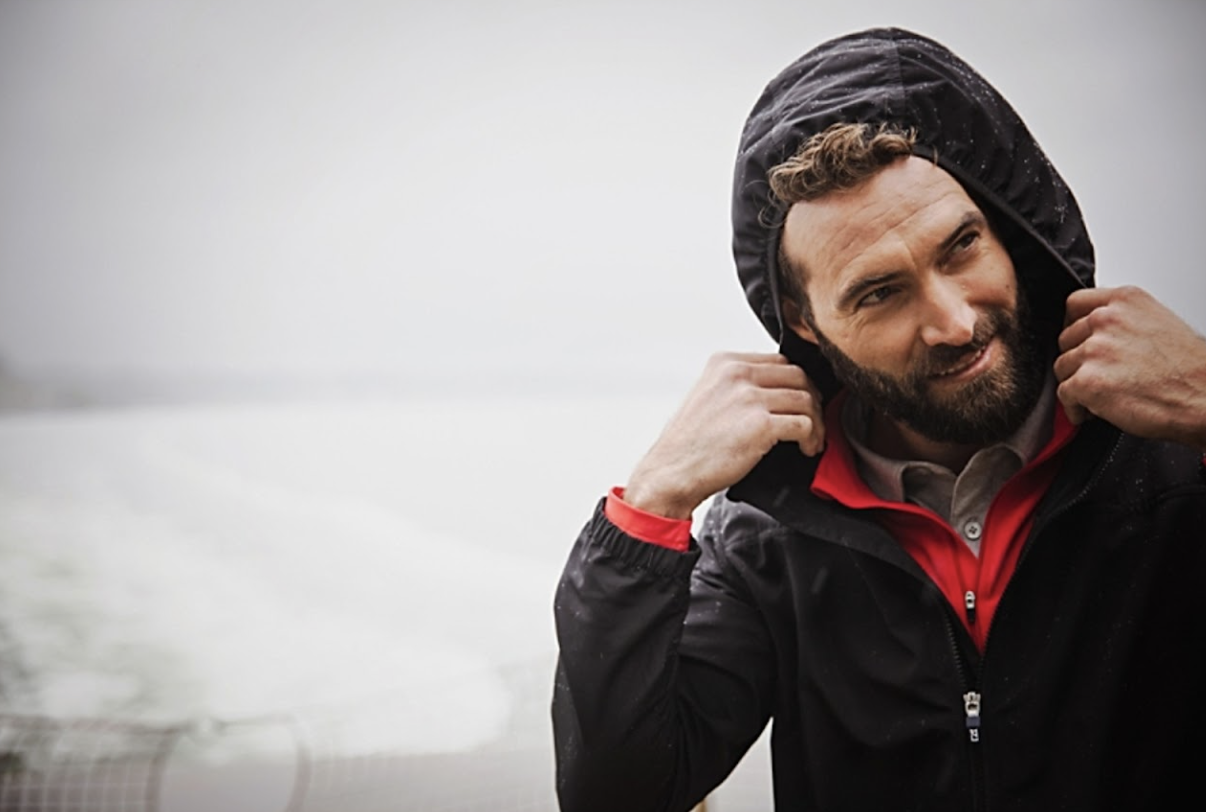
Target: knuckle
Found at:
717, 359
1090, 383
758, 424
736, 370
1099, 319
748, 397
726, 368
1063, 368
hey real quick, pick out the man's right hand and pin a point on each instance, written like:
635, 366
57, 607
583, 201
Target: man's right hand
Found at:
742, 405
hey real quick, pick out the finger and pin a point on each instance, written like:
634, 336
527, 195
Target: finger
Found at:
803, 430
741, 366
1082, 302
779, 376
1075, 334
791, 401
1067, 363
751, 357
1076, 413
1067, 395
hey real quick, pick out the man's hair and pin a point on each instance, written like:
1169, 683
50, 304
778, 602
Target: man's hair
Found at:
840, 157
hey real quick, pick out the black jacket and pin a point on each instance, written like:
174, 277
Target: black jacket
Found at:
796, 609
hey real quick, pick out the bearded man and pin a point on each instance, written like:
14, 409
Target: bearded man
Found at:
963, 516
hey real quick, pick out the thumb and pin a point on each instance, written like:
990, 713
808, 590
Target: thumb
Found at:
1076, 412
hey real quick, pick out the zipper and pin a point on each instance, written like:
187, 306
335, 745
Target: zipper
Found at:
971, 710
970, 682
972, 699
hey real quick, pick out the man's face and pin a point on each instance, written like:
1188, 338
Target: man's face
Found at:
915, 304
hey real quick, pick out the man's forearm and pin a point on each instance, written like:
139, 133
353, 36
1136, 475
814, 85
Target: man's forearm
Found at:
637, 721
619, 610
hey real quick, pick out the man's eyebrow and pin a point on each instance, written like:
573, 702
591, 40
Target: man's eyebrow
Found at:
969, 219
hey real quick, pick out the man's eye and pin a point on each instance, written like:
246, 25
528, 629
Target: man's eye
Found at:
877, 296
966, 241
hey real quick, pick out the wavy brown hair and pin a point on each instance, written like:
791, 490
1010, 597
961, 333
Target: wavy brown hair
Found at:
840, 157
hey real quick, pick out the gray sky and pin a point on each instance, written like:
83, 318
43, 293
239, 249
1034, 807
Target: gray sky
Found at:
478, 190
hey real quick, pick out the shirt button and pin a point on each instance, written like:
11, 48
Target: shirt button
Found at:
972, 530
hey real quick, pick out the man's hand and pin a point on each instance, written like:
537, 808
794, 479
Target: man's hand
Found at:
738, 410
1130, 360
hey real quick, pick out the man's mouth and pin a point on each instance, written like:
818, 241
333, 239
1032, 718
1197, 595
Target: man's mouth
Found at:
963, 364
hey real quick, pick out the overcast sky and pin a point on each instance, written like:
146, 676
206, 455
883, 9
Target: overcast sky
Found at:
493, 190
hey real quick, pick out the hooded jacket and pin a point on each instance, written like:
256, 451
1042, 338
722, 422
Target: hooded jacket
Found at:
795, 609
961, 122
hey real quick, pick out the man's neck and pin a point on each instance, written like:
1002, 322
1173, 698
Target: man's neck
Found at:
898, 441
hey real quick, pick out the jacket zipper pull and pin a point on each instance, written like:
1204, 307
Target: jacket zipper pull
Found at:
971, 706
969, 601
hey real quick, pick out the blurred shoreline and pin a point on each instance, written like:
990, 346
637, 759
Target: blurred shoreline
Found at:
36, 392
352, 556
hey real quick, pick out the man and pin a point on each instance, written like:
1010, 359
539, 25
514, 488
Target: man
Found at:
965, 517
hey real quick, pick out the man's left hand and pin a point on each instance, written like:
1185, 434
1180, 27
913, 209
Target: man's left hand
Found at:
1131, 361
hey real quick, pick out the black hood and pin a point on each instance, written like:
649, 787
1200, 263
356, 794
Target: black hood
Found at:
888, 75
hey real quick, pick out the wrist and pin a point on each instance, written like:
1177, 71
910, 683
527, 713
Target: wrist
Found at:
659, 499
1199, 435
1197, 411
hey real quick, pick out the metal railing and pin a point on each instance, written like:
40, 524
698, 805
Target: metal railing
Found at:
70, 766
85, 765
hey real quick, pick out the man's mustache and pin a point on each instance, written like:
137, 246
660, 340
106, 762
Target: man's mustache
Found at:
943, 357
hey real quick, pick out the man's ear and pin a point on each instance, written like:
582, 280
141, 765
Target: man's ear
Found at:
794, 320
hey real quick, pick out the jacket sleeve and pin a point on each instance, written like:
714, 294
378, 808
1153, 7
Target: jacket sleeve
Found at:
665, 672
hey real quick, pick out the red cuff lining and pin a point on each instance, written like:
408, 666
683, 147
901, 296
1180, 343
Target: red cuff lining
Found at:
647, 527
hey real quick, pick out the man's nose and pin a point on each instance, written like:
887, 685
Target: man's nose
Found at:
948, 317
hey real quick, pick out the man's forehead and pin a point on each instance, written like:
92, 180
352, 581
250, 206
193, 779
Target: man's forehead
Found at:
909, 198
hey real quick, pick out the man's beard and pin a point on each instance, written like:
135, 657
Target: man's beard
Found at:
986, 410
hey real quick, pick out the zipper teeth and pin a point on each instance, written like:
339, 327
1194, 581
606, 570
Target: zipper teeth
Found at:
979, 802
960, 665
980, 793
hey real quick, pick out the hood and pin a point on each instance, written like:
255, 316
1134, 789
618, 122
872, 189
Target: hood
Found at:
962, 123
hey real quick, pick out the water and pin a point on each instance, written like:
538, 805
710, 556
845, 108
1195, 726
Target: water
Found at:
361, 577
237, 561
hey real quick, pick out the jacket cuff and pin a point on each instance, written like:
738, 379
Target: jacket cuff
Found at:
604, 540
645, 526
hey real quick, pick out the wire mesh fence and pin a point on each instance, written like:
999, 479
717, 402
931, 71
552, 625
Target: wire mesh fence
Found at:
298, 762
99, 766
49, 765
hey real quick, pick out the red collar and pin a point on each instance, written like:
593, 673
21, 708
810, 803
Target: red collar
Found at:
837, 476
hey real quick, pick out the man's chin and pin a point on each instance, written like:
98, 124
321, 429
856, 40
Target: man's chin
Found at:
974, 415
979, 433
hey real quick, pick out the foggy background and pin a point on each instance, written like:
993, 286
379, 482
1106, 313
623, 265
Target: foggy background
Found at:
323, 326
490, 195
